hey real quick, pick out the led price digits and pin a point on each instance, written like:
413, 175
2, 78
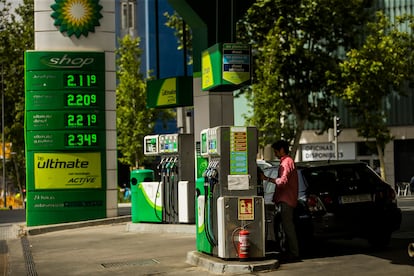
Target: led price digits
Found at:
81, 139
81, 120
80, 80
81, 100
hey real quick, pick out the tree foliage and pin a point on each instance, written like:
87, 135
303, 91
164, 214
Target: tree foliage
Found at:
374, 71
16, 36
134, 120
295, 43
182, 32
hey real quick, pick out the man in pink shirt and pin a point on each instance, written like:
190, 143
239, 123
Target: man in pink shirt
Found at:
286, 195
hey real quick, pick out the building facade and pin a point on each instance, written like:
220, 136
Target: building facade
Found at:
160, 57
145, 19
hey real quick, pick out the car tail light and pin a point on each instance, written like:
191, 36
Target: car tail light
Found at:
387, 194
315, 204
392, 195
312, 201
327, 200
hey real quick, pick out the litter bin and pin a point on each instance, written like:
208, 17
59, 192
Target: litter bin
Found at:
138, 193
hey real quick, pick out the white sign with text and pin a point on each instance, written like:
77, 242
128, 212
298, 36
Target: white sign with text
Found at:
326, 151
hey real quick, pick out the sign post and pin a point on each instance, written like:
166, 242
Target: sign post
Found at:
65, 136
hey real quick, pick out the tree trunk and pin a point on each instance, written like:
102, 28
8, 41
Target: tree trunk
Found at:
298, 133
381, 159
136, 161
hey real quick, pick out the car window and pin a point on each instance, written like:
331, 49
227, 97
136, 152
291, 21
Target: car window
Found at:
368, 176
341, 179
263, 164
269, 188
355, 179
321, 179
303, 184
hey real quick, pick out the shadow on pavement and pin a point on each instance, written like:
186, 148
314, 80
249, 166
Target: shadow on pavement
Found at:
396, 252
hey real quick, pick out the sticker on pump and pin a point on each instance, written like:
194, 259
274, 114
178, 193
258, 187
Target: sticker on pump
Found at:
246, 208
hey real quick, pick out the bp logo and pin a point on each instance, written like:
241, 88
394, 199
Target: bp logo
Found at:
76, 17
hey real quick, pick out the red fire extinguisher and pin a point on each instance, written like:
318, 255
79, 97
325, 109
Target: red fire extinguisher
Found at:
244, 245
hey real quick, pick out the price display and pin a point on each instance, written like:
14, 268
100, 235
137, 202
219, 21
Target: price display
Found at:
81, 139
65, 136
80, 80
80, 100
80, 119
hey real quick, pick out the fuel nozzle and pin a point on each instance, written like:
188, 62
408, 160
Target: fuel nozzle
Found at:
169, 164
214, 173
173, 165
205, 175
160, 166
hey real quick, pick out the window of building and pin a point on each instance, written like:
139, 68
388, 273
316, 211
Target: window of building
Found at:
128, 14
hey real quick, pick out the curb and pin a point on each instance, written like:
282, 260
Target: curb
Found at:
218, 266
162, 228
37, 230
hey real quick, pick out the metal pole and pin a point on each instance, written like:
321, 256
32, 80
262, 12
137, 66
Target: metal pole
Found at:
336, 148
2, 137
336, 134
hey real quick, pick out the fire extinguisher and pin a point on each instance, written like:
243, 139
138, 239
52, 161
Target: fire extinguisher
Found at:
244, 245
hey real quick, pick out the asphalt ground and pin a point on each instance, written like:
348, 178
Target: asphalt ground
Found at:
112, 246
115, 246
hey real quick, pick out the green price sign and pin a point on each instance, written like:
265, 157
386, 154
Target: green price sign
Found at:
65, 135
65, 100
65, 140
66, 119
53, 80
76, 80
75, 100
59, 100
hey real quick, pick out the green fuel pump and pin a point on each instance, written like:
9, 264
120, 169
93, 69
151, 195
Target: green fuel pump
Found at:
176, 169
233, 214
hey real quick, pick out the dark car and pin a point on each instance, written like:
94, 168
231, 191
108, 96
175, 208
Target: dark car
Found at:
344, 199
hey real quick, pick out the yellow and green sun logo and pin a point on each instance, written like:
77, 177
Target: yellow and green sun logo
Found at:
76, 17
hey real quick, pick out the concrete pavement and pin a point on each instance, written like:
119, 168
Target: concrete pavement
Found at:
114, 246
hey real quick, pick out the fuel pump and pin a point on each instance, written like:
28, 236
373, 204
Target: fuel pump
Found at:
177, 177
233, 213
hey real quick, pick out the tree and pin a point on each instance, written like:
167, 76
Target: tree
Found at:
134, 120
182, 32
295, 43
374, 71
16, 36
